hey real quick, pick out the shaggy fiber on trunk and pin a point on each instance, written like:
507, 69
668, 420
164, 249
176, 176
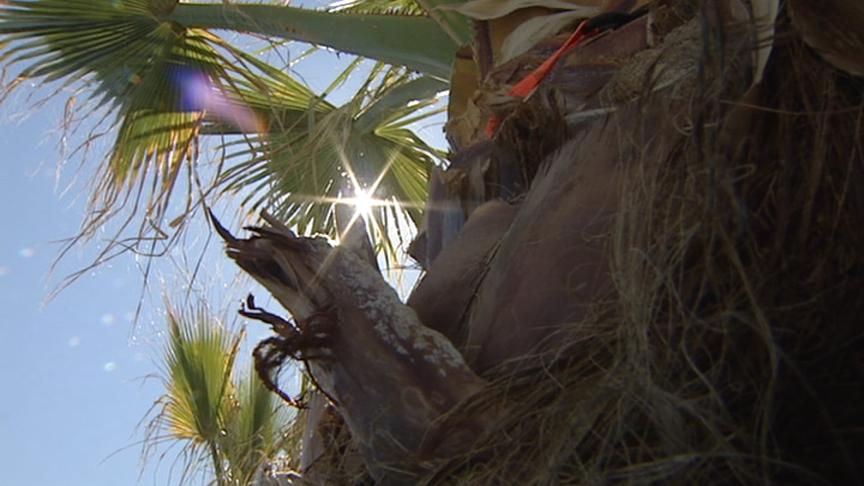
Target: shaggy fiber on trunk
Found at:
730, 349
694, 252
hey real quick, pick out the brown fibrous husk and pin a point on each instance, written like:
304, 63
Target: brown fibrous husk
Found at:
730, 350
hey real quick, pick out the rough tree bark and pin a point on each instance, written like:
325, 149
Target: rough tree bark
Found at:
525, 268
390, 377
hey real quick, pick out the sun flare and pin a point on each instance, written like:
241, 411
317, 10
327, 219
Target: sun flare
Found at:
363, 202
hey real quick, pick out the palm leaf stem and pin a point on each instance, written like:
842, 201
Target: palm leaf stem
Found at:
217, 464
415, 42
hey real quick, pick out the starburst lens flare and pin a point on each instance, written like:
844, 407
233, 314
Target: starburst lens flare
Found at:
363, 203
197, 92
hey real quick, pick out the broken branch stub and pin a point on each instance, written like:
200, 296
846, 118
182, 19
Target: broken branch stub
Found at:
392, 377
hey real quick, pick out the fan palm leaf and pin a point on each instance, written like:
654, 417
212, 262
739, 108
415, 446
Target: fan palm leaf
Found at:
255, 431
138, 55
314, 158
236, 425
199, 360
199, 401
134, 62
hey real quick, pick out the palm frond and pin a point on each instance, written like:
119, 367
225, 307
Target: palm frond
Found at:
231, 426
302, 168
133, 62
198, 404
255, 432
199, 361
146, 77
130, 58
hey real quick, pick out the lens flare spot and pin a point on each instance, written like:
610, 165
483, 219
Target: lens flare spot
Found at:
108, 319
197, 92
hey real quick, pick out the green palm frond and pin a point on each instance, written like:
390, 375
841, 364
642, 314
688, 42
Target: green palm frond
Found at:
303, 151
309, 161
199, 402
199, 360
255, 432
235, 425
133, 62
401, 7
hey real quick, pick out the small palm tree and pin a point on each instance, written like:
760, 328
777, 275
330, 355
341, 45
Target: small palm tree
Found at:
257, 431
234, 424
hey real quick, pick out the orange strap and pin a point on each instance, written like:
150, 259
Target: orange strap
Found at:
529, 83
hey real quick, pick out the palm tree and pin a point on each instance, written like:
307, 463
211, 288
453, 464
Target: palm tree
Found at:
236, 424
169, 82
152, 64
651, 271
634, 301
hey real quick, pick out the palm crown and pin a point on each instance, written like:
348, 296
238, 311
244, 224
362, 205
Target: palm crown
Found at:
169, 80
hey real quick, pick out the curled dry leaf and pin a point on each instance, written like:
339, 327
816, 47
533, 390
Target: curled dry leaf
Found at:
533, 31
493, 9
463, 85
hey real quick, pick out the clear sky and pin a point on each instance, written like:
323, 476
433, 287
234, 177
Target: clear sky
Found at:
74, 371
70, 371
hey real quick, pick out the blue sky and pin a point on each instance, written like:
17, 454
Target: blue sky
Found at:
74, 371
70, 370
77, 376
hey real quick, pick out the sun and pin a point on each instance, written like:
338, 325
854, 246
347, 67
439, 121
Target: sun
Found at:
363, 202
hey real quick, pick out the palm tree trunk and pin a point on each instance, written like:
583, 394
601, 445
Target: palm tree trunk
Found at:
391, 378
